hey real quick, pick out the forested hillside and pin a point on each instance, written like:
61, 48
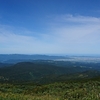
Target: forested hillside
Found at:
47, 71
50, 80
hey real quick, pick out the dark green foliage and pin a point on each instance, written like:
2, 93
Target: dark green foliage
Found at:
46, 71
76, 90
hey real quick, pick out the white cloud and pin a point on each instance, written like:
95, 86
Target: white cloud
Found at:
78, 19
82, 19
73, 32
68, 34
22, 43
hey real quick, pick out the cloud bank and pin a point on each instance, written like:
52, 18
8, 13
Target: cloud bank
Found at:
67, 34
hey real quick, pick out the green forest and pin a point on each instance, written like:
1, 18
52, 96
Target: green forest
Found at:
50, 80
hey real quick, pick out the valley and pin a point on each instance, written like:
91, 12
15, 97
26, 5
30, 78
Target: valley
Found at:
53, 79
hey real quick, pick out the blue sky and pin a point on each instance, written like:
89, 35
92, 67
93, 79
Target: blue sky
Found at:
50, 26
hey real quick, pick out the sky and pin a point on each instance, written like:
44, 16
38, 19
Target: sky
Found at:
50, 27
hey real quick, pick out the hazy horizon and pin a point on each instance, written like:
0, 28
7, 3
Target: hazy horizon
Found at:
52, 54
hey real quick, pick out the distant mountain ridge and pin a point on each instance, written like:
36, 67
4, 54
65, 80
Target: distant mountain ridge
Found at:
15, 58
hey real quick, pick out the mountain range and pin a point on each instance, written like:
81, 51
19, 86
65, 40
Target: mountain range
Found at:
45, 71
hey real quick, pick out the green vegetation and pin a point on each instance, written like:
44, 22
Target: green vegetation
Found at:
48, 71
76, 90
50, 81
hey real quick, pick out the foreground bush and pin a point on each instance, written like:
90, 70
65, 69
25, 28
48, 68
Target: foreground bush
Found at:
89, 90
